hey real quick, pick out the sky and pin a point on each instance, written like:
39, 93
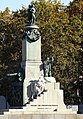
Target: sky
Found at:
14, 5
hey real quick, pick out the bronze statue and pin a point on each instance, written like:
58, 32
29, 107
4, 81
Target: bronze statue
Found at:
47, 67
19, 75
31, 15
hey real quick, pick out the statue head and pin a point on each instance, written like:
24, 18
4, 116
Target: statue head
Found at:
31, 6
48, 58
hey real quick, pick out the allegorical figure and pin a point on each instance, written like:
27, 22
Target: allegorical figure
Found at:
37, 87
47, 67
31, 15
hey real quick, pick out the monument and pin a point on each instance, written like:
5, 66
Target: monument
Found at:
31, 53
37, 73
41, 92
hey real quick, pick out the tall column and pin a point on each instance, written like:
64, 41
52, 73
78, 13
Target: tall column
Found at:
31, 58
31, 53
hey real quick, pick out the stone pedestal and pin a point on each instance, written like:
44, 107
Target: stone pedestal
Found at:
31, 58
49, 102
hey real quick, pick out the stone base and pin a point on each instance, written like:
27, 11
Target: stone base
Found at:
50, 102
41, 116
49, 105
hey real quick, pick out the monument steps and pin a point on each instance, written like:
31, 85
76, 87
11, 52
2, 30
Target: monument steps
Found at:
37, 111
42, 115
50, 101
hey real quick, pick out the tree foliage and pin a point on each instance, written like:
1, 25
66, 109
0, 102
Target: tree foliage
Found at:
62, 38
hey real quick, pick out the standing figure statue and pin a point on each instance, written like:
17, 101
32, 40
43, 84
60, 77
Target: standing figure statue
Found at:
47, 67
31, 15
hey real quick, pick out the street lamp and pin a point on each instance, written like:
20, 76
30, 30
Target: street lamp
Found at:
78, 82
78, 97
78, 93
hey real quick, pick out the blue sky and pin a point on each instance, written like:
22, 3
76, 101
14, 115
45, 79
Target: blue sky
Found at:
17, 4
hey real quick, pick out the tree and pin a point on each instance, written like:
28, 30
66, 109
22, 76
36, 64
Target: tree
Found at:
61, 38
62, 33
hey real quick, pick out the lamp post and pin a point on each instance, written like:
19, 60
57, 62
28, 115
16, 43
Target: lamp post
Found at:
78, 97
78, 93
78, 79
78, 86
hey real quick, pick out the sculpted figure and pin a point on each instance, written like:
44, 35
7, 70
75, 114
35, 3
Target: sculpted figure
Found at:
37, 87
33, 90
31, 15
19, 75
47, 67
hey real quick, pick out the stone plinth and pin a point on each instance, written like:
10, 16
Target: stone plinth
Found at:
49, 103
41, 116
51, 100
31, 58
